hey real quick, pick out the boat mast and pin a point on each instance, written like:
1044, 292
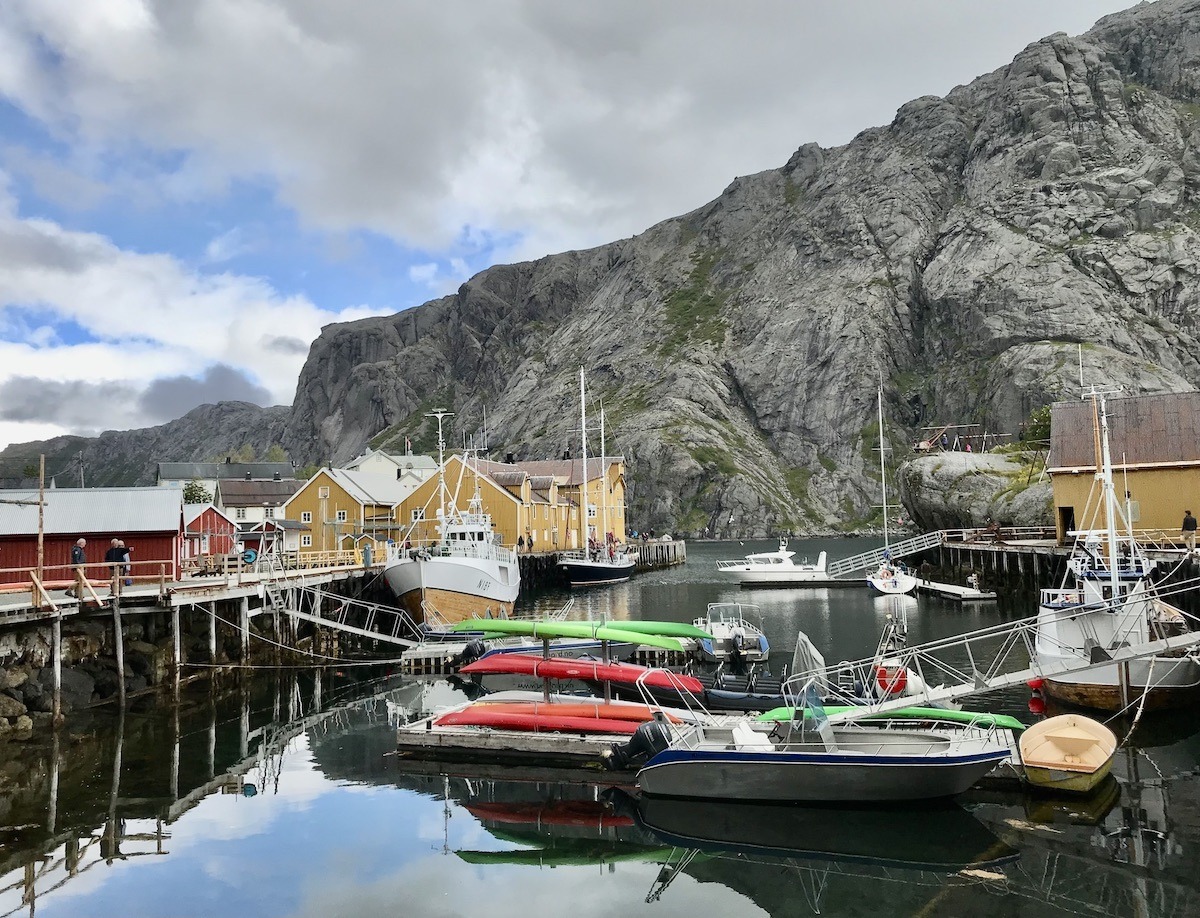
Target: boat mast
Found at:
1110, 500
882, 468
440, 413
583, 502
603, 482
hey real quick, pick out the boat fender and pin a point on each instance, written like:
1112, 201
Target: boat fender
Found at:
892, 680
648, 740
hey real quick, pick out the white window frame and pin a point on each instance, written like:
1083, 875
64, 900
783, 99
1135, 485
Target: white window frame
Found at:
417, 515
239, 513
306, 516
306, 541
268, 513
593, 511
341, 516
323, 492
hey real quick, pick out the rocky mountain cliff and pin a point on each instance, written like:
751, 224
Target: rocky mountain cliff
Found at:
962, 253
123, 457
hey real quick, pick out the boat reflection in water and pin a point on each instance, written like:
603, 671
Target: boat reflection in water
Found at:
939, 837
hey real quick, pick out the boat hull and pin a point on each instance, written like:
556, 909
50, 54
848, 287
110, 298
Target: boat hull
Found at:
894, 585
811, 778
581, 572
1173, 682
458, 588
1074, 782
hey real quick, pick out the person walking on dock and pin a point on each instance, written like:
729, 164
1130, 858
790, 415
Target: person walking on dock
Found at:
78, 562
1189, 530
114, 558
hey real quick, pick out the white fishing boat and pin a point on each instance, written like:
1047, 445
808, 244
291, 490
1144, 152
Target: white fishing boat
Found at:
891, 576
600, 559
776, 568
1108, 601
466, 572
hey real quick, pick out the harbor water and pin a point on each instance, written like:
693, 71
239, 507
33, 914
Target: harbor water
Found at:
279, 794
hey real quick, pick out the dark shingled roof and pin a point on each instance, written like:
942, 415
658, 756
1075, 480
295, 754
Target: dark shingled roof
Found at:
1145, 429
238, 493
187, 471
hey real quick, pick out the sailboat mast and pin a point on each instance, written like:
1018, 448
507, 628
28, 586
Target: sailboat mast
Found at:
603, 480
1110, 501
583, 483
883, 469
441, 446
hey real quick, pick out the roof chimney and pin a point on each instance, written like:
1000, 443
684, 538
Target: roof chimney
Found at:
228, 459
247, 476
510, 458
277, 476
566, 454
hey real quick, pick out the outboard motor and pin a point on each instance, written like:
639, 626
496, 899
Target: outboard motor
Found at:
647, 741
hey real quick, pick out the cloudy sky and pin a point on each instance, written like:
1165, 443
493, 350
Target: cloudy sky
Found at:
189, 191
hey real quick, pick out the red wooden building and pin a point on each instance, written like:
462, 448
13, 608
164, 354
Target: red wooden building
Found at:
207, 531
148, 520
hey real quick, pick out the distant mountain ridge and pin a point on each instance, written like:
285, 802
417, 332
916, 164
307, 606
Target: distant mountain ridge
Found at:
968, 253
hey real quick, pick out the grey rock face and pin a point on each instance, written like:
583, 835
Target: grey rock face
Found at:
954, 490
971, 253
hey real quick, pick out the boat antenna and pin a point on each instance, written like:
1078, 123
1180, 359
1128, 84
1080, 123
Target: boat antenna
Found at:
603, 481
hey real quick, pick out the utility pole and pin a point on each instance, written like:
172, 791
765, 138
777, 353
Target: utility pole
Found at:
41, 516
80, 468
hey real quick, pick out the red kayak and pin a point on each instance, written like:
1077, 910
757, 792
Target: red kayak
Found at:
608, 711
527, 664
480, 716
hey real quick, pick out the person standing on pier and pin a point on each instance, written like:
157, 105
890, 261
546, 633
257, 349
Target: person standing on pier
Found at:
114, 558
1189, 530
78, 562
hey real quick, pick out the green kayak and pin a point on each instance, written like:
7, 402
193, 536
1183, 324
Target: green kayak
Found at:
550, 630
943, 714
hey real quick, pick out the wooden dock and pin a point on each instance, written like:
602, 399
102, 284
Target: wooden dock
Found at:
955, 592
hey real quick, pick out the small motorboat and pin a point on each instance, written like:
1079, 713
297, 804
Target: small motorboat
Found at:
1069, 752
734, 639
777, 568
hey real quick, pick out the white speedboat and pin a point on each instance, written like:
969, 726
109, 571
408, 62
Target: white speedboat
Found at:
810, 761
734, 637
466, 573
776, 568
1108, 601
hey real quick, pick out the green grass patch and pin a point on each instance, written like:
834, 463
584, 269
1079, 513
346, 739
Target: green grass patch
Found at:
693, 313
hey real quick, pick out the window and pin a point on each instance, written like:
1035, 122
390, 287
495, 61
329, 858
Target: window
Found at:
323, 492
239, 513
268, 513
306, 516
592, 511
418, 515
306, 541
341, 516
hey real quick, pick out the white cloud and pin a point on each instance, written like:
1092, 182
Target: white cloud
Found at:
562, 124
152, 316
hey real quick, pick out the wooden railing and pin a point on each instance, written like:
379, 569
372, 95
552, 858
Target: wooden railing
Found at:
95, 579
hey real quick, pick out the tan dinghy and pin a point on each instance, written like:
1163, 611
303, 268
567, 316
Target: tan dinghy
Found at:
1067, 753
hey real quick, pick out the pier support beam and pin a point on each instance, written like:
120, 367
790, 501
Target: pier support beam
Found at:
119, 645
56, 650
244, 628
176, 652
212, 633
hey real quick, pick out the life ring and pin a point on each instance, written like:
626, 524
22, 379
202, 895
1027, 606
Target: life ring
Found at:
249, 556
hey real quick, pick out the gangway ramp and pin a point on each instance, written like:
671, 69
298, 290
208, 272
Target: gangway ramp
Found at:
377, 622
869, 559
981, 661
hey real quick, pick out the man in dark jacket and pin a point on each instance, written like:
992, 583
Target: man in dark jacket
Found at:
78, 563
1189, 530
114, 558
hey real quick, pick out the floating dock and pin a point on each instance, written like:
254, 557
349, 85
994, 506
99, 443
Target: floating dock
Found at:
955, 592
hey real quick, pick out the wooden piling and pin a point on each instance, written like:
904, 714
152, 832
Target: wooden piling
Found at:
244, 627
176, 652
119, 643
56, 650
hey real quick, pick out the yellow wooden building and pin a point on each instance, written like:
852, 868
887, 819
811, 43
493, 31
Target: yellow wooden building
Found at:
1155, 448
343, 509
535, 502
